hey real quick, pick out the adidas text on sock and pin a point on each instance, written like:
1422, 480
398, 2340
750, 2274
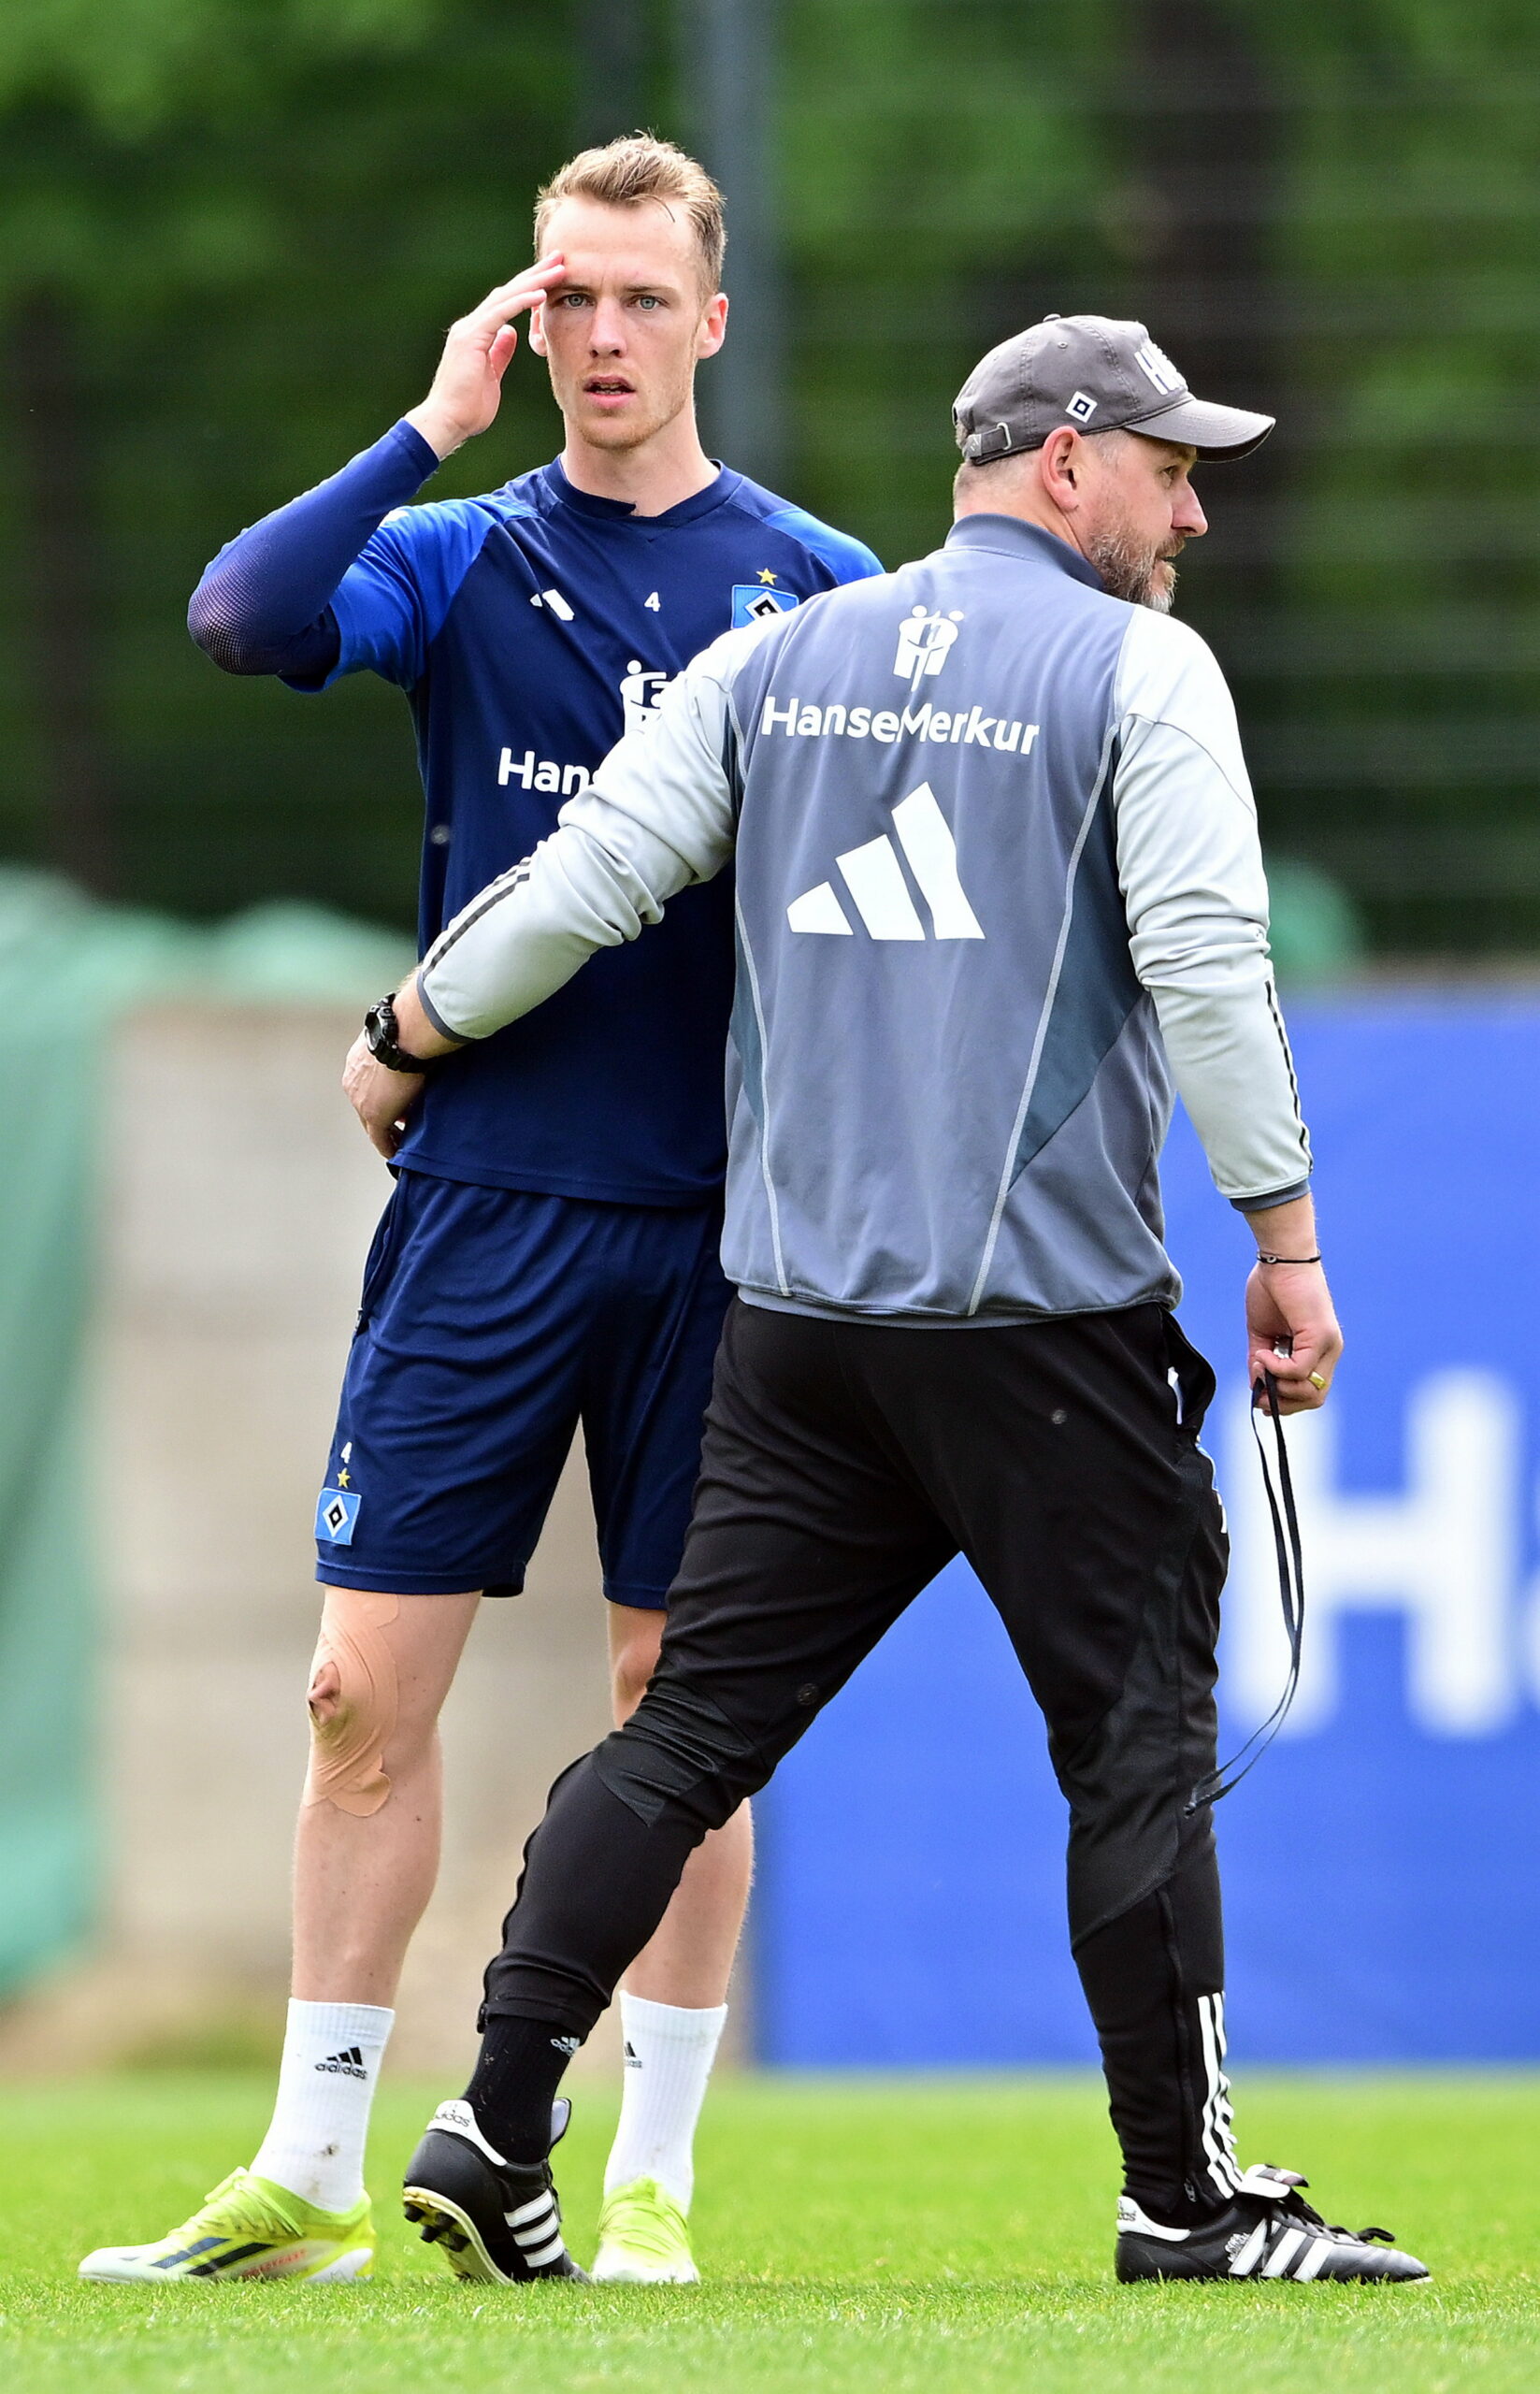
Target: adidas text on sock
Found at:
314, 2146
668, 2054
515, 2082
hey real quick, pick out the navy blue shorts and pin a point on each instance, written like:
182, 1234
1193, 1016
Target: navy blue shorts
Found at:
493, 1322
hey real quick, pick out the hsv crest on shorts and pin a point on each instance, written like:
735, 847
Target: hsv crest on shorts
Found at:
337, 1514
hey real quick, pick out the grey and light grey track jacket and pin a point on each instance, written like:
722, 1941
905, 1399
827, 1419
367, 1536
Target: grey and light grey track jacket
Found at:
998, 870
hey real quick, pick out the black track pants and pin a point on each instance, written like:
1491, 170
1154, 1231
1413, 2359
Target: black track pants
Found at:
844, 1465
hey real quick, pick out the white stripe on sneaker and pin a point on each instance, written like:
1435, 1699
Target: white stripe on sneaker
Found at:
1292, 2242
1246, 2260
528, 2210
1313, 2261
546, 2253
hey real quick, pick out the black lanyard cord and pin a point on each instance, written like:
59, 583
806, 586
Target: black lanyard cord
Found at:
1286, 1542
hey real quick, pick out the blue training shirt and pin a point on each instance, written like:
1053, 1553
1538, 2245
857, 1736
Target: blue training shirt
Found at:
530, 628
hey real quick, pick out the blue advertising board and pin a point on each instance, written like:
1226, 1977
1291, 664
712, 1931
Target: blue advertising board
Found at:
1382, 1865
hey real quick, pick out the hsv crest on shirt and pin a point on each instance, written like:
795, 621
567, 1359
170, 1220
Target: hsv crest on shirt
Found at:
530, 628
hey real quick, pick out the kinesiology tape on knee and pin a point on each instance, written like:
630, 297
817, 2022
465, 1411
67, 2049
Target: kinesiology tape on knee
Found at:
347, 1745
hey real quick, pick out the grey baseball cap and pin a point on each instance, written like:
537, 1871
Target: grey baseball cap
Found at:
1099, 375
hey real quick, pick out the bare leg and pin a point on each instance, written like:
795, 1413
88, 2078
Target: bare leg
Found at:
689, 1959
367, 1847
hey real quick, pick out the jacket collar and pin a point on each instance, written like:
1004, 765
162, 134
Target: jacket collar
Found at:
1027, 542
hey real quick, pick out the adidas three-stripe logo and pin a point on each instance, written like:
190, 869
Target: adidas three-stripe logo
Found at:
875, 881
349, 2063
1278, 2246
536, 2228
1219, 2121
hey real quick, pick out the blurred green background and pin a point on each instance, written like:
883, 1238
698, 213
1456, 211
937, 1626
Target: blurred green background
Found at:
232, 231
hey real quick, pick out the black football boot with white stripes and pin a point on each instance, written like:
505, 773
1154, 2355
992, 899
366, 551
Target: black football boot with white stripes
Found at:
1266, 2230
495, 2221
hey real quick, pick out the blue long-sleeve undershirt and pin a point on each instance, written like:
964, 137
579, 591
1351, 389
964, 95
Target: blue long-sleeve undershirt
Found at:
264, 606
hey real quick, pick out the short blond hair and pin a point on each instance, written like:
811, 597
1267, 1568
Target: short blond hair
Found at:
639, 167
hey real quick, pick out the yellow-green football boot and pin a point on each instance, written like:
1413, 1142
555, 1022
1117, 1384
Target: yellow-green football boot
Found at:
643, 2239
248, 2228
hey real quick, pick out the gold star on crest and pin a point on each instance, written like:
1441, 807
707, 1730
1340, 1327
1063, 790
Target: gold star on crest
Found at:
341, 1480
765, 574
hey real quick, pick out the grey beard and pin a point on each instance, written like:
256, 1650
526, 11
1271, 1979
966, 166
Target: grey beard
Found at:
1132, 573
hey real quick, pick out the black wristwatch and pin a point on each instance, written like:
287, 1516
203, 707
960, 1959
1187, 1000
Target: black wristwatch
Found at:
381, 1037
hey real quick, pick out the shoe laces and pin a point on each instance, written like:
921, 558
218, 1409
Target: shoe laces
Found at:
1292, 2203
237, 2202
646, 2218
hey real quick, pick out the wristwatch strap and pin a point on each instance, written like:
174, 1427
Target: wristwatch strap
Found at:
381, 1033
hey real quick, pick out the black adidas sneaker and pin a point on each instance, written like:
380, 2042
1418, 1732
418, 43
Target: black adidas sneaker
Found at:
1267, 2231
495, 2221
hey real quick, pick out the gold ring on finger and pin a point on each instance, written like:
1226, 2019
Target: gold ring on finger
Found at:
1317, 1381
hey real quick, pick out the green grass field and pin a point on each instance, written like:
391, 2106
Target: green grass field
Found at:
940, 2235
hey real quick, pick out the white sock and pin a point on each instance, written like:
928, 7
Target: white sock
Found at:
669, 2058
332, 2054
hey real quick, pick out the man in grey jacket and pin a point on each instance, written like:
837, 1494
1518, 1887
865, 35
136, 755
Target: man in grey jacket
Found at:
999, 886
